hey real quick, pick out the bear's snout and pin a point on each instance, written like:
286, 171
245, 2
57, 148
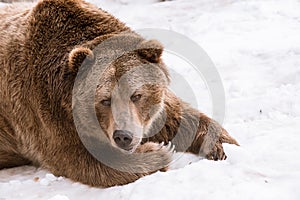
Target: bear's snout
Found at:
123, 139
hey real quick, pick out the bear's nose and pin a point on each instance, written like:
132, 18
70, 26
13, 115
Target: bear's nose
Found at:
123, 138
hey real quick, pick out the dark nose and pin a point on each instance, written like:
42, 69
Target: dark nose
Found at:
123, 138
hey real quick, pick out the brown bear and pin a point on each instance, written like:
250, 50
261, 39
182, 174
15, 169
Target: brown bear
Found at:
43, 49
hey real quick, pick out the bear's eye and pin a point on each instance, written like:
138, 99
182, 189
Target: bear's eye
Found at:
106, 102
135, 97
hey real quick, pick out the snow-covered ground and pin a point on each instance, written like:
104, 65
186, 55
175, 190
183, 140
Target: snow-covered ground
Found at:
255, 45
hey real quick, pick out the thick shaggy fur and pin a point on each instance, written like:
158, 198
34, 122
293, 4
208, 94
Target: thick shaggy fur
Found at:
41, 48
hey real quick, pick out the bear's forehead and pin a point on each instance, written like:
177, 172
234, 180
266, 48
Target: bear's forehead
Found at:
129, 73
125, 64
107, 78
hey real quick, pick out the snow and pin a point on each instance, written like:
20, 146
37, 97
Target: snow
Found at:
255, 45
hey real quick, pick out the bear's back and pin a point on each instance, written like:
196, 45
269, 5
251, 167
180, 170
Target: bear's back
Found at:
12, 28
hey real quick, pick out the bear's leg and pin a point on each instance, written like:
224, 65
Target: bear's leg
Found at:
76, 163
191, 131
209, 138
8, 160
9, 156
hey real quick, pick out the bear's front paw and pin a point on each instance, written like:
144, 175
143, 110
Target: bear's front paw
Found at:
160, 154
216, 153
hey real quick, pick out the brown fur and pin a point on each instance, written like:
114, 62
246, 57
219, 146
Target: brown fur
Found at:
41, 49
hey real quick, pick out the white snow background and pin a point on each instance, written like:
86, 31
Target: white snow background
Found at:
255, 45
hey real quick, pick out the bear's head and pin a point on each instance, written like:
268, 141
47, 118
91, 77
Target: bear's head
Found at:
131, 89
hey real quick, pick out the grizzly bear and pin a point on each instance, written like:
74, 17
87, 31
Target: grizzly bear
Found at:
44, 48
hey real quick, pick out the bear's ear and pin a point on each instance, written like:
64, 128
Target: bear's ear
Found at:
150, 50
77, 56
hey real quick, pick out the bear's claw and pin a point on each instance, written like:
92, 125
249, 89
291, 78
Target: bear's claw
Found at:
171, 147
217, 153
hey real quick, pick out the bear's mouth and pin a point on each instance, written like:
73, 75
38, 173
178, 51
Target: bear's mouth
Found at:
130, 149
